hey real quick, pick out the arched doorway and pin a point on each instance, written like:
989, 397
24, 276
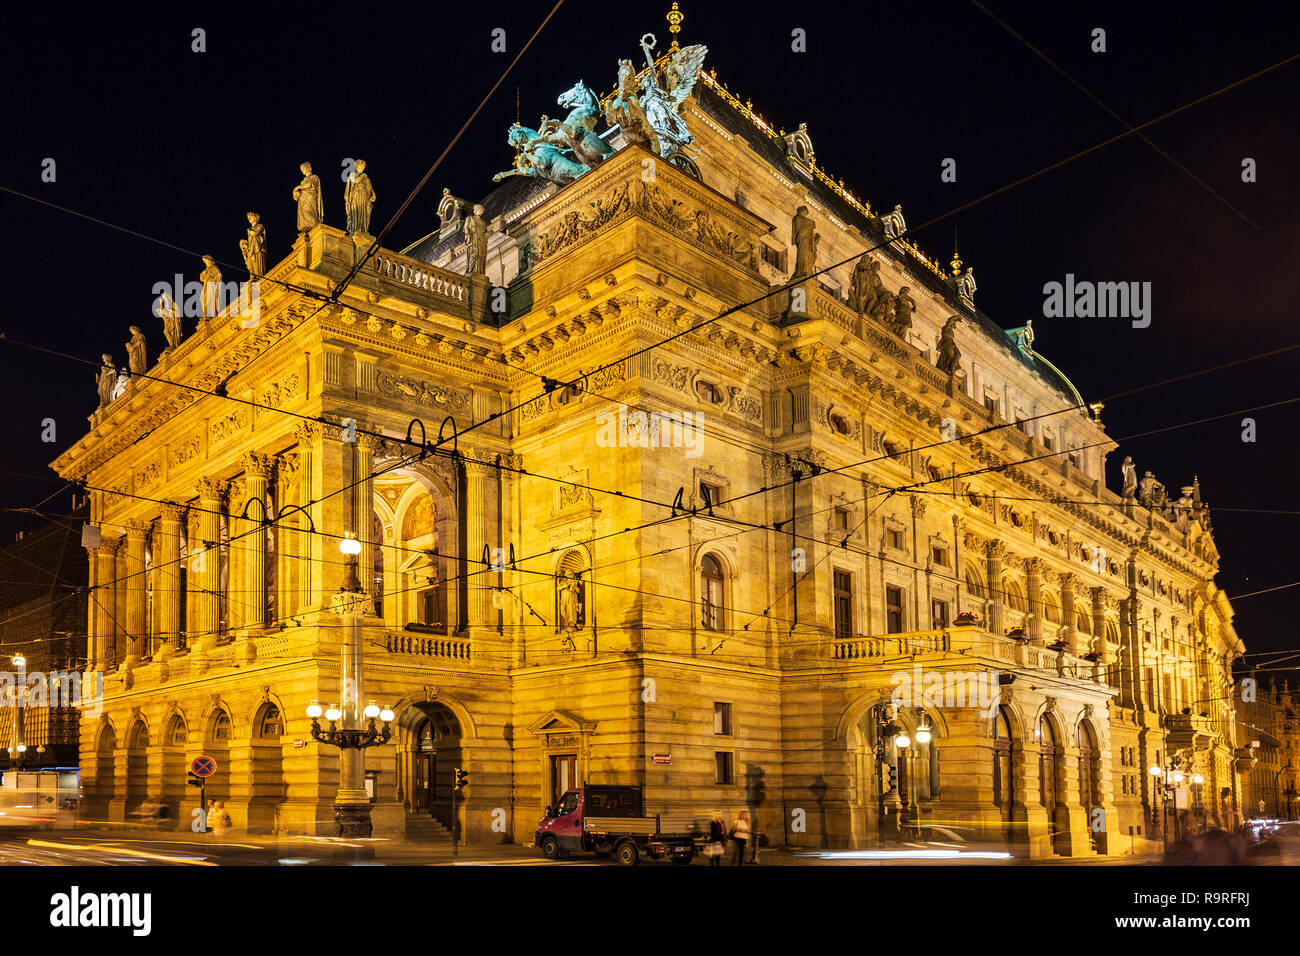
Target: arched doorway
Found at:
137, 768
1049, 784
1089, 777
175, 739
105, 766
216, 744
1004, 791
435, 751
268, 787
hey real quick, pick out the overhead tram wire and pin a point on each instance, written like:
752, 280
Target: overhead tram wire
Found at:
963, 207
1113, 115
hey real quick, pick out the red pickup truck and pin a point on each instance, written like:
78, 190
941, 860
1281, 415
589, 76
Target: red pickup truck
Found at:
609, 821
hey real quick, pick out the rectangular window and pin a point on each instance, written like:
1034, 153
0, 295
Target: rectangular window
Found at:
893, 610
939, 613
991, 403
1020, 424
722, 718
843, 604
710, 493
1048, 441
842, 519
773, 257
725, 767
939, 556
894, 539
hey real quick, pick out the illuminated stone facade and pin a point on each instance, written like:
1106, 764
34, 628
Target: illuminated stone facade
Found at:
695, 651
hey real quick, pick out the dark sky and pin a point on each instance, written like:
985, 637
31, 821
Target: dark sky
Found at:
178, 145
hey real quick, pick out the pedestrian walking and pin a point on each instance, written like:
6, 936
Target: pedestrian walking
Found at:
717, 838
740, 836
221, 821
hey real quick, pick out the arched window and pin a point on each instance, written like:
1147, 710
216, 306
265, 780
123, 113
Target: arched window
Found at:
1089, 782
571, 592
178, 734
1015, 597
711, 594
1002, 746
975, 583
1083, 621
219, 727
1051, 610
139, 739
1047, 764
107, 741
269, 723
377, 550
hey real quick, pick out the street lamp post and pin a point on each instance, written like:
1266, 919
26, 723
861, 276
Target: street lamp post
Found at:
19, 746
351, 803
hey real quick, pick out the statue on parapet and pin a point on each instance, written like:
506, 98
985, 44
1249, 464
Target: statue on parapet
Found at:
311, 203
476, 243
106, 381
949, 359
135, 350
904, 306
1151, 493
254, 247
211, 279
803, 232
536, 157
170, 314
624, 110
1129, 477
359, 198
577, 131
662, 97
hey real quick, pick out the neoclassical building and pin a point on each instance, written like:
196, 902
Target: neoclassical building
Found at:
675, 524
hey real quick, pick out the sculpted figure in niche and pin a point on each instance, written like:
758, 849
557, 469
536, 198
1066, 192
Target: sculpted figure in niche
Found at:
311, 204
359, 197
804, 233
570, 601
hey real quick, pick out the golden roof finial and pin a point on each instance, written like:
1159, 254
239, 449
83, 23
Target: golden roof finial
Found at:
675, 18
956, 259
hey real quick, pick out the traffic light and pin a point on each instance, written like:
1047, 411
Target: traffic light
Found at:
461, 779
888, 778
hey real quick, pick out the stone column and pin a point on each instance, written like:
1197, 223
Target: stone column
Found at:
363, 509
257, 471
480, 507
289, 539
1070, 634
958, 565
136, 623
167, 579
115, 601
205, 566
1034, 576
994, 551
1101, 645
309, 545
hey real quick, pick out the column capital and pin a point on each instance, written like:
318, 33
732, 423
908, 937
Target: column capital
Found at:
136, 528
212, 489
996, 550
257, 466
171, 511
959, 525
307, 433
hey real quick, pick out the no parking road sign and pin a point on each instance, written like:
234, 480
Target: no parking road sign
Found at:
203, 766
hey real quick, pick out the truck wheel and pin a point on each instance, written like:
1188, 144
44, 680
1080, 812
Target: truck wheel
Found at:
626, 854
550, 848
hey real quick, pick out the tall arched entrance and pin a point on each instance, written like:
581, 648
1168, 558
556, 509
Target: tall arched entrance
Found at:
268, 787
175, 791
137, 767
434, 753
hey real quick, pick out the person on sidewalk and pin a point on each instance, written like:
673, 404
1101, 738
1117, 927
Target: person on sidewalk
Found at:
717, 839
740, 836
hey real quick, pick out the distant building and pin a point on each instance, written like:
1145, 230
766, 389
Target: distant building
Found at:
1269, 728
43, 601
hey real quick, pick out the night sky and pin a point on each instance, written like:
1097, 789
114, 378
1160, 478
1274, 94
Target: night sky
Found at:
178, 145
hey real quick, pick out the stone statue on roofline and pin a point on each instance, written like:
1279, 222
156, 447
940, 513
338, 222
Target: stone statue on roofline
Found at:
135, 350
311, 203
211, 279
904, 306
106, 381
476, 243
577, 131
538, 158
358, 197
803, 232
949, 359
254, 247
624, 110
170, 314
1128, 473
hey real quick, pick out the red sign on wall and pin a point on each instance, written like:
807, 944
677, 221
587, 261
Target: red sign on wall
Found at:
662, 759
